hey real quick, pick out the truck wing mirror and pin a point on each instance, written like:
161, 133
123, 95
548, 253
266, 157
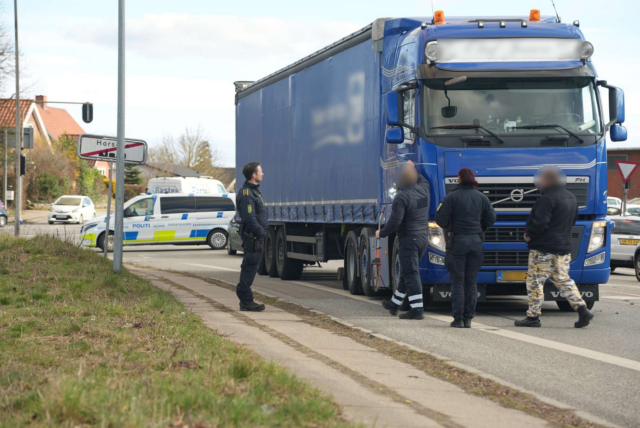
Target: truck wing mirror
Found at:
394, 109
618, 133
395, 135
616, 103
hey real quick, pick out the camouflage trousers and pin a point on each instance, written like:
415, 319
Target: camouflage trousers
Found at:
555, 268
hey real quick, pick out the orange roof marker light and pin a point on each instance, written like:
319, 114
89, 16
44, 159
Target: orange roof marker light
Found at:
438, 17
534, 15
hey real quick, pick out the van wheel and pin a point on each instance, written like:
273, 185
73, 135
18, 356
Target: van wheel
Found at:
217, 239
565, 306
396, 272
351, 260
367, 254
3, 221
110, 242
288, 269
270, 253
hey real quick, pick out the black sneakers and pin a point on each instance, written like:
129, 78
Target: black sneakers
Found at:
528, 322
411, 316
251, 306
386, 303
467, 323
457, 324
585, 317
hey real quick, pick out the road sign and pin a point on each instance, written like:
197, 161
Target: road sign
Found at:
101, 148
626, 169
27, 138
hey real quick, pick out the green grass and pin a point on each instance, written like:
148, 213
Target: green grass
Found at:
80, 346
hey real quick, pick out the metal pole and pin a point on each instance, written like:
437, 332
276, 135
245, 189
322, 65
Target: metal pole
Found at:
106, 236
4, 170
17, 198
625, 190
118, 232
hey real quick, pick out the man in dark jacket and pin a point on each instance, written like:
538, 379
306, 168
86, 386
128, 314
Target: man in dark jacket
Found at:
466, 214
253, 229
410, 220
548, 235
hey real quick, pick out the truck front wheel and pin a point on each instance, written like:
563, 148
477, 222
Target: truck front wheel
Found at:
351, 264
288, 269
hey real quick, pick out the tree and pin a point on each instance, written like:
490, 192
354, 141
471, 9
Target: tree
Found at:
191, 150
132, 175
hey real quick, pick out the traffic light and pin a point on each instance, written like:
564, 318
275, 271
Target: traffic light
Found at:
23, 164
87, 112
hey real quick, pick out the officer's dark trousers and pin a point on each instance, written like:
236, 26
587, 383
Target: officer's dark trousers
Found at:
410, 285
248, 270
463, 263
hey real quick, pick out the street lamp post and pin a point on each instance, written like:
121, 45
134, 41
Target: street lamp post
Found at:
18, 187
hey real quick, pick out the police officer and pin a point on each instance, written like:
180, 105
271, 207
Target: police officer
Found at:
253, 229
410, 220
466, 214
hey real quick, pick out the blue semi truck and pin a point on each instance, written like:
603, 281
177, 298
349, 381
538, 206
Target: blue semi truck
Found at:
503, 96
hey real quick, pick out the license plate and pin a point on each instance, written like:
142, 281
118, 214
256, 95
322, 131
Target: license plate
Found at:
511, 275
629, 241
64, 217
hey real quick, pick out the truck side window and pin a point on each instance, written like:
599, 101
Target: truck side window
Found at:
409, 101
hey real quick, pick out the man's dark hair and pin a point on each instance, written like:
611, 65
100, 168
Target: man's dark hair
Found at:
249, 169
467, 178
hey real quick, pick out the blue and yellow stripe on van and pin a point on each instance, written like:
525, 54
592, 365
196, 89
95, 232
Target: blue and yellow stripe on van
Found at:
166, 236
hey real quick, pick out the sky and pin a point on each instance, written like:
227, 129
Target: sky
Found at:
182, 57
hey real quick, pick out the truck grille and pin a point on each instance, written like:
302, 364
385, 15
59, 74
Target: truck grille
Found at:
521, 196
506, 258
504, 234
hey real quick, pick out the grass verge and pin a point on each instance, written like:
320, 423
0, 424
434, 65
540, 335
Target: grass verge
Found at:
82, 346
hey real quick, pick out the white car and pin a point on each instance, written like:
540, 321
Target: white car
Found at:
625, 237
614, 202
72, 208
167, 219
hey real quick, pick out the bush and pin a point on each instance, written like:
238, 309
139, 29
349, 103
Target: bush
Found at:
90, 182
132, 190
47, 186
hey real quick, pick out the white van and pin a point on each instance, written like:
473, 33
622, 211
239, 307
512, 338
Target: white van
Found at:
167, 219
188, 185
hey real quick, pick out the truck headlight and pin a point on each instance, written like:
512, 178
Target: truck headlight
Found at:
595, 260
430, 51
436, 237
598, 231
436, 259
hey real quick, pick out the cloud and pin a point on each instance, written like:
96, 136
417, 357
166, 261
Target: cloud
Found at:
212, 37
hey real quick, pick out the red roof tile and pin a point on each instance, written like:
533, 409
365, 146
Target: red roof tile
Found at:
58, 121
8, 111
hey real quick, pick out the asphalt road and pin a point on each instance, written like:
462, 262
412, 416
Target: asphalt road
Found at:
596, 369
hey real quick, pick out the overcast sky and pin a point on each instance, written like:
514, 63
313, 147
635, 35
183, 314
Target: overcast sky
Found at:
183, 56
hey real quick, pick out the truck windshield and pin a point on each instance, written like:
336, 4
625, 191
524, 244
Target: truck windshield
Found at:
512, 107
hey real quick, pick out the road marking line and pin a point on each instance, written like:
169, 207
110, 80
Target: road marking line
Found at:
626, 294
621, 297
215, 267
569, 349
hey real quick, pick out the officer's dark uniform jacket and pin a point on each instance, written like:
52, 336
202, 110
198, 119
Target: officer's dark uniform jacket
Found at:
465, 211
252, 210
410, 211
551, 220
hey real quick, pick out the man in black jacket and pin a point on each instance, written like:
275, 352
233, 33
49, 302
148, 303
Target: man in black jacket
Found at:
253, 229
466, 214
548, 235
410, 220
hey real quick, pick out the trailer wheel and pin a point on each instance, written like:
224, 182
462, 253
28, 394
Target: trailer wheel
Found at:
367, 254
351, 264
396, 272
565, 306
270, 253
288, 269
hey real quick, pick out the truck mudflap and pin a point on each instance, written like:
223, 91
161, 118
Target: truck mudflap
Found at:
589, 293
442, 293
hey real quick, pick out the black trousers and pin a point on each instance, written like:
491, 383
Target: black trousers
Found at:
463, 263
248, 270
411, 251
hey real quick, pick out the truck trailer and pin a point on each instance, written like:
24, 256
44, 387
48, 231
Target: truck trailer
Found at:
504, 96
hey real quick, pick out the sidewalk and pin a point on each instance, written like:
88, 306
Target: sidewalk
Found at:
371, 388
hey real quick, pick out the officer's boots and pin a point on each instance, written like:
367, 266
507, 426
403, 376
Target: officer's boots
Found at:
251, 306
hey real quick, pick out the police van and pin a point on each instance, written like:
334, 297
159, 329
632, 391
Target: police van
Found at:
167, 219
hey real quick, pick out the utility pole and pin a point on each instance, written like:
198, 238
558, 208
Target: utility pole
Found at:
4, 170
118, 231
17, 198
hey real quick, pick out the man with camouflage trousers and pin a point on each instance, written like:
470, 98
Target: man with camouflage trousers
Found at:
548, 235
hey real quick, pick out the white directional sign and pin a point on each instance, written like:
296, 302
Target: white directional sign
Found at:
626, 169
96, 147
